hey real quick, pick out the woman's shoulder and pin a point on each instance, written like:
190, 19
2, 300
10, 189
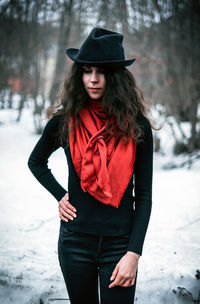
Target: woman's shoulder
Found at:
145, 124
52, 128
53, 122
145, 139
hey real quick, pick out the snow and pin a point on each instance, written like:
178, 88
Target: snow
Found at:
29, 226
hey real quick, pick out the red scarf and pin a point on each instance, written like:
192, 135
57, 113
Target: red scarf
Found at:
103, 164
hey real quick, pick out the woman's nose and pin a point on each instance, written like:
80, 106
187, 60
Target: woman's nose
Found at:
94, 77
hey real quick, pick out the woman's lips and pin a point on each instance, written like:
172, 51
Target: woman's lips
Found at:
94, 89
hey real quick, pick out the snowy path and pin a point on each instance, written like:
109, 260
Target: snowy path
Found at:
29, 223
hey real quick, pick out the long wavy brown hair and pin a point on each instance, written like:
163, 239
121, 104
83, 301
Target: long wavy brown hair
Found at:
123, 103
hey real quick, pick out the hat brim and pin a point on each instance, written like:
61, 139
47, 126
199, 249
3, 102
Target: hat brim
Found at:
72, 54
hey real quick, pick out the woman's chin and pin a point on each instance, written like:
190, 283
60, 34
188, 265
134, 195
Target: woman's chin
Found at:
95, 96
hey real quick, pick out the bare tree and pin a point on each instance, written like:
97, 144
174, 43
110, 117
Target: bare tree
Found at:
65, 22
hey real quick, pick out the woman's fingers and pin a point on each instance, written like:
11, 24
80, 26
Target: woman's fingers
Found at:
121, 281
67, 214
114, 273
70, 206
62, 217
116, 282
66, 210
127, 268
65, 201
132, 282
128, 282
115, 276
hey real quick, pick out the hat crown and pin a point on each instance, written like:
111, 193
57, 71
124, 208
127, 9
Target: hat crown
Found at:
102, 46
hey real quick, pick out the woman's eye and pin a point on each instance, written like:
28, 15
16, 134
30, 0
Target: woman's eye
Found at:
86, 71
101, 71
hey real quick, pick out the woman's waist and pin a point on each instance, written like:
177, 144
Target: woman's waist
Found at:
103, 220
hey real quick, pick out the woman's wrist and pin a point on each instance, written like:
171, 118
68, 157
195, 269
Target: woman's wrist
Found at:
132, 253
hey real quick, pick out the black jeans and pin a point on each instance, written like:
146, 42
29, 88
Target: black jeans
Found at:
85, 257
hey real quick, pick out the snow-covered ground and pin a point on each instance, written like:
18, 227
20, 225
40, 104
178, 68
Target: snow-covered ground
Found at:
29, 223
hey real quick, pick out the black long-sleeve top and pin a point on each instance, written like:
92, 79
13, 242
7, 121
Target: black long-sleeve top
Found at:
132, 215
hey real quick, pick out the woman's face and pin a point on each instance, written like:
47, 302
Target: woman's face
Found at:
94, 81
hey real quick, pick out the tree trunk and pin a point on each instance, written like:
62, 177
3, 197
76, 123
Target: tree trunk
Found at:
65, 26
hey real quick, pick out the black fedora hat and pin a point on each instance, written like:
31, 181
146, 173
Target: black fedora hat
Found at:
102, 47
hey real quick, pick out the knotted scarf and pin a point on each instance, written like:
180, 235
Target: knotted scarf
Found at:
103, 163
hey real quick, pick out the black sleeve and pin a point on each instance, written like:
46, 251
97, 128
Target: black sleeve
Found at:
38, 160
143, 168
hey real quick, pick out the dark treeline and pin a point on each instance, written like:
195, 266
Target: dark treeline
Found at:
163, 36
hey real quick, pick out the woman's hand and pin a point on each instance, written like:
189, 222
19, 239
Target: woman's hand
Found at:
125, 270
66, 210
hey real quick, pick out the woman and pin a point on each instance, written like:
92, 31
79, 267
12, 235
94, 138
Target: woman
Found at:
102, 126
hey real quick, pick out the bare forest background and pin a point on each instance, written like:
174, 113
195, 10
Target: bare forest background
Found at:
163, 36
